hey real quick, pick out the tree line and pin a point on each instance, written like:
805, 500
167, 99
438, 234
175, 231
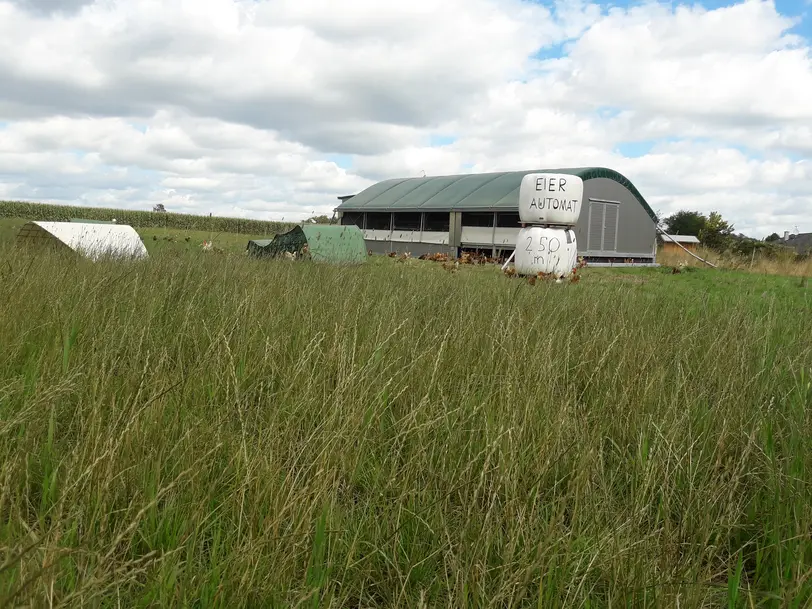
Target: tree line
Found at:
716, 233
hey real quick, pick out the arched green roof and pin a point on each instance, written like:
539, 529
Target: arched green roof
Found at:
466, 192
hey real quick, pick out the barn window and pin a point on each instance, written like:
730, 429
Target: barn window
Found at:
507, 220
481, 219
353, 218
407, 220
603, 224
437, 222
379, 220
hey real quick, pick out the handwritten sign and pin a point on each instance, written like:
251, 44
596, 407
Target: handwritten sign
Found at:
546, 250
550, 198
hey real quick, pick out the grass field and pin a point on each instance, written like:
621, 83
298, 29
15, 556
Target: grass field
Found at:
208, 430
787, 265
157, 239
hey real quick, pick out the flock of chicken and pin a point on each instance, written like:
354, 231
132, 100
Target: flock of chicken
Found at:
476, 258
465, 257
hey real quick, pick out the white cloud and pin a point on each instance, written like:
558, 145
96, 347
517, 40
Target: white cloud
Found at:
208, 163
731, 66
47, 7
266, 108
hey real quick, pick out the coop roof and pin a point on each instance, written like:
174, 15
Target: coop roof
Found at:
88, 239
479, 191
325, 243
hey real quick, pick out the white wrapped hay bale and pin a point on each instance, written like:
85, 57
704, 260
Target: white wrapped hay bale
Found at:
550, 198
93, 240
546, 250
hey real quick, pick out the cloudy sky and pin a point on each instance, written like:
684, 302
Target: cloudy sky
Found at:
273, 108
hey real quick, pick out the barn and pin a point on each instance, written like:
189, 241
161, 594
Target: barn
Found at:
479, 212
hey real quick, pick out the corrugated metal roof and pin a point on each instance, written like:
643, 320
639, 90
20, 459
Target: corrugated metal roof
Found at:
681, 238
479, 191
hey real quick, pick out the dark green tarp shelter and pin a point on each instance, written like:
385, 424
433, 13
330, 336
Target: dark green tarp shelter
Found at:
325, 243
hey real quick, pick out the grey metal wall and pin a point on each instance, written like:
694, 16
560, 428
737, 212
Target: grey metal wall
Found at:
613, 223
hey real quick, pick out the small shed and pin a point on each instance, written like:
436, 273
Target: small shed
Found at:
93, 240
670, 244
320, 242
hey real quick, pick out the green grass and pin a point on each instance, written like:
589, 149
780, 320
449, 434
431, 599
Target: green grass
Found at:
209, 430
9, 227
158, 239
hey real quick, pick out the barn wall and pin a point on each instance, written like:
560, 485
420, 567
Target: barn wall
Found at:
635, 230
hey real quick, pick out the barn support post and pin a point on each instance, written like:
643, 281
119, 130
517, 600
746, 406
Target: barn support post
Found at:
455, 232
493, 237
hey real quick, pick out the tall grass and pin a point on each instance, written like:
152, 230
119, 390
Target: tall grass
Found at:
788, 264
215, 431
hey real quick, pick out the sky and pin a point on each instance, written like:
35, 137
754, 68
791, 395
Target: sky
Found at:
271, 109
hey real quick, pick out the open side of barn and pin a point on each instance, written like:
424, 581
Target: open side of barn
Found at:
480, 212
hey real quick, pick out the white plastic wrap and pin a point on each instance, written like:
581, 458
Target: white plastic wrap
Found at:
89, 239
550, 198
546, 250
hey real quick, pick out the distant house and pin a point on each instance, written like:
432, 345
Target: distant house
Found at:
801, 243
668, 246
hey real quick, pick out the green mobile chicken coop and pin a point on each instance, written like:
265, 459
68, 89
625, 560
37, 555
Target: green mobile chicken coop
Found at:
321, 242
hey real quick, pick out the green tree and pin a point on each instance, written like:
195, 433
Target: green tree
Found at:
773, 237
685, 223
717, 232
318, 220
